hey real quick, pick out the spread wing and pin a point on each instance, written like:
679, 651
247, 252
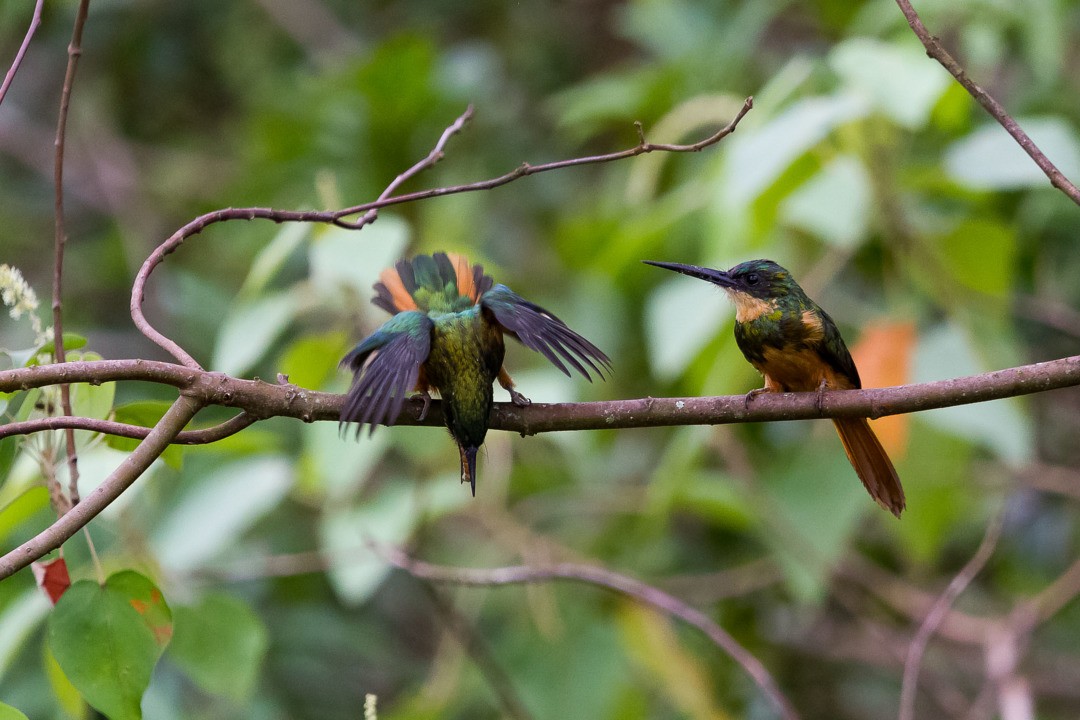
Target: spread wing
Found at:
386, 367
537, 329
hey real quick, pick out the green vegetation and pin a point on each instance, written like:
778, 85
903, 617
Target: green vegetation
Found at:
936, 245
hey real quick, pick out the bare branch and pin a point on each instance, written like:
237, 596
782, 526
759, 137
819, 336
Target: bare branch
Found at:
602, 577
203, 436
992, 106
263, 400
938, 611
35, 21
337, 217
133, 466
60, 239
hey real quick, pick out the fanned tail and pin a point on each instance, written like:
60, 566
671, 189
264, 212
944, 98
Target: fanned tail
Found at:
444, 279
871, 463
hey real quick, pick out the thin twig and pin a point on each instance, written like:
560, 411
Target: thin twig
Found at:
60, 239
202, 436
35, 21
337, 217
610, 580
938, 611
992, 106
119, 480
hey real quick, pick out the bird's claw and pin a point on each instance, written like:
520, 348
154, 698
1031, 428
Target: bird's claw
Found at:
518, 399
750, 396
820, 397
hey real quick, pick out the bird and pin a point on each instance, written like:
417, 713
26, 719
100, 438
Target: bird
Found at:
447, 334
796, 347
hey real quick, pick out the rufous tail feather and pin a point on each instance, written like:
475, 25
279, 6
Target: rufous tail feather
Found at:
871, 463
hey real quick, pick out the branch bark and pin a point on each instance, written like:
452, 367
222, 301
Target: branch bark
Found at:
602, 577
260, 400
337, 217
935, 50
35, 22
133, 466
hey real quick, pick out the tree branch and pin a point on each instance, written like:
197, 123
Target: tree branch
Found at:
992, 106
337, 217
35, 21
601, 577
262, 400
133, 466
60, 240
938, 611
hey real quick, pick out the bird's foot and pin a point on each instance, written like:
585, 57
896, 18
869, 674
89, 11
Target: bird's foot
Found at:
821, 390
518, 399
426, 397
751, 395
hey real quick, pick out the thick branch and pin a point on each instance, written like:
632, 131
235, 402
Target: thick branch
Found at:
133, 466
262, 400
602, 577
992, 106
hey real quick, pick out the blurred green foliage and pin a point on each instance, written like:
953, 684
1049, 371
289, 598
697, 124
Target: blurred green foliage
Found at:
863, 168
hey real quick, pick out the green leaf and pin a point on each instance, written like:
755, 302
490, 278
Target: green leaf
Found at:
387, 518
22, 508
980, 254
681, 317
67, 695
337, 466
108, 638
989, 159
71, 342
756, 159
93, 401
269, 261
312, 361
340, 257
220, 644
835, 204
9, 713
1001, 426
145, 413
943, 500
894, 77
814, 500
19, 620
250, 328
219, 509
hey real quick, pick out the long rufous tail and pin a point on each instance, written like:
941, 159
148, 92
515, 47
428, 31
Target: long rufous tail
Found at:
872, 465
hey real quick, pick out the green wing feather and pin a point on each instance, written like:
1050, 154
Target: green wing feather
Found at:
386, 367
537, 329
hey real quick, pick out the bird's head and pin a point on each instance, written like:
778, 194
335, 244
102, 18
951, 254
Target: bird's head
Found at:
762, 279
753, 285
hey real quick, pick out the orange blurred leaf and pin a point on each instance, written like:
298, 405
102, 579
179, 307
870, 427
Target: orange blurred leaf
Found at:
883, 355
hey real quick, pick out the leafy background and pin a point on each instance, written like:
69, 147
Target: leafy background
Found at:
934, 242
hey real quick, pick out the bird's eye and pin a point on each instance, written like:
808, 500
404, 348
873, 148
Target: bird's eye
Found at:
752, 279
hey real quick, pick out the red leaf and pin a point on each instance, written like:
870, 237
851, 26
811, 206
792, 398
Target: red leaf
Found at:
52, 577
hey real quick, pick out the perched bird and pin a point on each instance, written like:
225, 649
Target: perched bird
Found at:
795, 345
446, 334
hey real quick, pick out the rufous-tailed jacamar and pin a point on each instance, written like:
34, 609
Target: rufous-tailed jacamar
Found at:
446, 334
795, 345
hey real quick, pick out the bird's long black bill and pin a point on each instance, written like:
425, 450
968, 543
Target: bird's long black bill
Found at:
468, 466
717, 277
